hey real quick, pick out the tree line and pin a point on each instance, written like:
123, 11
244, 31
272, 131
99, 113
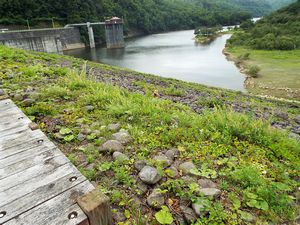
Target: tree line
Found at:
278, 31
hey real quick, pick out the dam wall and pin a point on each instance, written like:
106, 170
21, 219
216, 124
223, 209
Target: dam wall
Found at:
43, 40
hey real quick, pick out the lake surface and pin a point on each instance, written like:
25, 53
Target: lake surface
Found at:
175, 55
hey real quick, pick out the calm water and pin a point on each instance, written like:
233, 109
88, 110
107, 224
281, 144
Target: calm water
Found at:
175, 55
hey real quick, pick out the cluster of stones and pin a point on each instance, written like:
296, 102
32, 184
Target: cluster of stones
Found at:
150, 178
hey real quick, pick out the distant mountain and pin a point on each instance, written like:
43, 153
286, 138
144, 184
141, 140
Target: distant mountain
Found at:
279, 30
257, 8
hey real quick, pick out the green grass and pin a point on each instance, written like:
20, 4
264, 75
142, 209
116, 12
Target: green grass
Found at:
255, 165
279, 71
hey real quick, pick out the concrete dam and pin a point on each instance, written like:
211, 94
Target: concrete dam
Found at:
57, 40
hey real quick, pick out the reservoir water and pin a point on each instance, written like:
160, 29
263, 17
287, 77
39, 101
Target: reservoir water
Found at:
175, 55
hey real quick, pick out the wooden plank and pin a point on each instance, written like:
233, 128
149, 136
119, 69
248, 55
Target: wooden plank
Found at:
24, 160
9, 125
56, 211
97, 208
39, 170
15, 130
37, 146
25, 196
14, 141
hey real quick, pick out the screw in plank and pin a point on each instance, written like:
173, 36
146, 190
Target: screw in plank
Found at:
2, 214
72, 215
72, 179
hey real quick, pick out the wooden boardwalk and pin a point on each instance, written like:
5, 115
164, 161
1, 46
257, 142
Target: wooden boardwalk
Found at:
38, 184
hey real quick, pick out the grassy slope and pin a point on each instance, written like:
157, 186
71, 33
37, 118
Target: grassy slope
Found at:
254, 165
279, 75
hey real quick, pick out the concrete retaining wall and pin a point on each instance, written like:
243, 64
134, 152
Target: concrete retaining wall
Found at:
43, 40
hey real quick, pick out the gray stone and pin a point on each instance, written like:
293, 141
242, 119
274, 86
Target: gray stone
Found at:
28, 102
118, 217
149, 175
189, 179
81, 137
143, 188
58, 136
198, 208
120, 157
210, 192
89, 108
156, 199
188, 214
114, 127
86, 131
112, 145
172, 153
206, 183
2, 92
172, 172
186, 167
294, 136
122, 136
162, 160
140, 164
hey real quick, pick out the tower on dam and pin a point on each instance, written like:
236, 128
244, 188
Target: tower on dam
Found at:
114, 33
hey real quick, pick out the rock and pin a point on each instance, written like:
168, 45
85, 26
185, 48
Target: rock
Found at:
297, 119
122, 136
172, 154
282, 115
81, 137
206, 183
186, 167
112, 145
89, 108
143, 188
210, 192
18, 97
120, 157
198, 208
189, 179
33, 126
86, 131
114, 127
149, 175
140, 164
172, 172
294, 136
118, 217
2, 92
162, 160
58, 136
188, 214
156, 199
28, 102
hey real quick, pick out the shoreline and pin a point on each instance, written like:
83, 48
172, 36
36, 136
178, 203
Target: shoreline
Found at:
250, 81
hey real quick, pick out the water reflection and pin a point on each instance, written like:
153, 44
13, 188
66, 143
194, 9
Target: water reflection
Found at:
175, 55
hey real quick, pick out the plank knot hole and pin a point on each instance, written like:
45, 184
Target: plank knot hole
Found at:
2, 214
40, 141
72, 215
72, 179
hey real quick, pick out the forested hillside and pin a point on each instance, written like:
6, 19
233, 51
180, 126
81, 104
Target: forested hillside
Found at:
280, 30
146, 15
256, 8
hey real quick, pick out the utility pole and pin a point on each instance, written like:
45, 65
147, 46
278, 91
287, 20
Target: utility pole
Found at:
28, 26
